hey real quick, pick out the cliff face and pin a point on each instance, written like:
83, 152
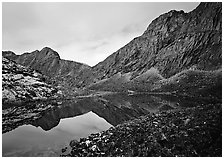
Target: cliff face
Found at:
172, 42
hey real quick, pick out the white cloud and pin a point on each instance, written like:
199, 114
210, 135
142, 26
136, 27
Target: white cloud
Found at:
92, 52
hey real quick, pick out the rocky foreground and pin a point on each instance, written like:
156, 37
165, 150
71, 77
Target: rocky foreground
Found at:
188, 132
21, 84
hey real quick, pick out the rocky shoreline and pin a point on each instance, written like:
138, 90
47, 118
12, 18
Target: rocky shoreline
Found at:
187, 132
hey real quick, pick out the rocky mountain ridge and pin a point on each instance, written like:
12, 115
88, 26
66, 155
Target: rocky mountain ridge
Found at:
172, 42
48, 62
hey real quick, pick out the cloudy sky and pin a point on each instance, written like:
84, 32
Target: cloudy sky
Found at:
82, 32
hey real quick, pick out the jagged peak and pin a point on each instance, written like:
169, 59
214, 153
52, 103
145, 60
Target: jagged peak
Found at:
36, 51
171, 12
165, 19
49, 51
47, 48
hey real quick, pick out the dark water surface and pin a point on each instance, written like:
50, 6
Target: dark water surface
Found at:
46, 133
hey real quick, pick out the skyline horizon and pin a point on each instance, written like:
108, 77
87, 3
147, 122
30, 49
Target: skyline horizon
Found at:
99, 44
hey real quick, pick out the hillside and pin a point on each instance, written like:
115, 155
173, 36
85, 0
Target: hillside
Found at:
21, 84
194, 83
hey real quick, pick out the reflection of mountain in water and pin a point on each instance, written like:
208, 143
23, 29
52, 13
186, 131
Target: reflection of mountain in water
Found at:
113, 108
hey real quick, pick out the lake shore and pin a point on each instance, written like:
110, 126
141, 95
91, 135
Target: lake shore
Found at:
188, 132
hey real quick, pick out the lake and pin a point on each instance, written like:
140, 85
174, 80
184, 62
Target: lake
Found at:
43, 129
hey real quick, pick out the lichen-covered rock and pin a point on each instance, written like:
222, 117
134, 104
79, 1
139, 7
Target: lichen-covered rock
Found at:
20, 84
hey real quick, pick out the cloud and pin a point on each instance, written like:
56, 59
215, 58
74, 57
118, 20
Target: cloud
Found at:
94, 45
93, 51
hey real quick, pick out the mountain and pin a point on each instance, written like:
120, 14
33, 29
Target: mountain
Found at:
47, 61
21, 84
9, 55
173, 43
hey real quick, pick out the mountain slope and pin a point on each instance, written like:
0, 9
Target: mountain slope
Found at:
194, 83
49, 63
173, 42
123, 82
64, 73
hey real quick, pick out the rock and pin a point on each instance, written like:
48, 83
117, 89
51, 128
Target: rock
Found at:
94, 148
73, 143
64, 149
87, 142
8, 95
22, 84
186, 121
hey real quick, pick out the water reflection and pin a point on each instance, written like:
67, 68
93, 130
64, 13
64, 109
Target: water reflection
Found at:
115, 109
60, 122
28, 140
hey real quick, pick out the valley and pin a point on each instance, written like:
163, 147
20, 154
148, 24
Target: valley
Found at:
159, 95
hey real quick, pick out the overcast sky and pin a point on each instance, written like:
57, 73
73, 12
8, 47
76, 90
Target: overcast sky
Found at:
82, 32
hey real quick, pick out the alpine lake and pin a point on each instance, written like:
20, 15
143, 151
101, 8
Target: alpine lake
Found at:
44, 128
